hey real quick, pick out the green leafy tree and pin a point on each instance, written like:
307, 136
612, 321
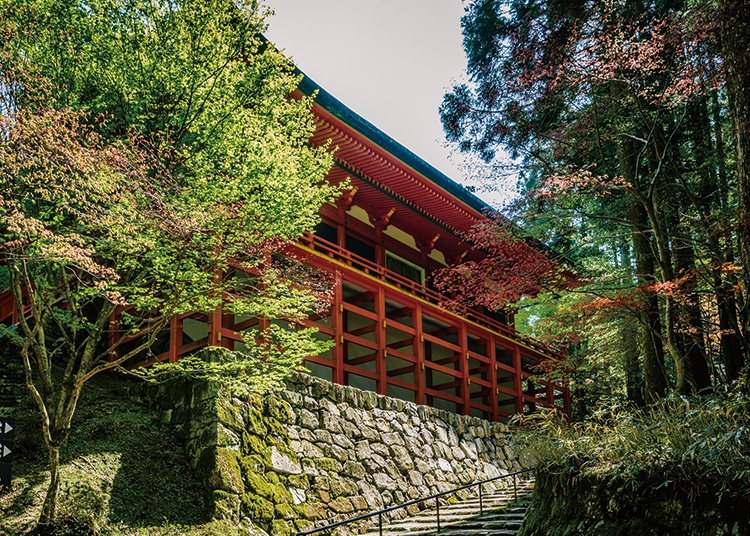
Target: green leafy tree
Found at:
150, 150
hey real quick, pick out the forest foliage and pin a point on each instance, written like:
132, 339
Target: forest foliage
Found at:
625, 120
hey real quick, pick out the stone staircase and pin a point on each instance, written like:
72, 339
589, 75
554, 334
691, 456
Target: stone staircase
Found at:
502, 516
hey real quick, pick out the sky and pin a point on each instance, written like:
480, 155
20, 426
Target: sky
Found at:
390, 61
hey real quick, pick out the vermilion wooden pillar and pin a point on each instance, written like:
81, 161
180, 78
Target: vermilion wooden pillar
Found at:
566, 401
418, 346
381, 367
517, 379
175, 338
531, 388
550, 393
215, 320
492, 374
214, 327
379, 247
463, 364
337, 323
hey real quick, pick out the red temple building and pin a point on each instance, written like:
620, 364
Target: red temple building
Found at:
399, 220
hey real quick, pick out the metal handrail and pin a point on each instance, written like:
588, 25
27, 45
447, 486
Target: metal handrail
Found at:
436, 496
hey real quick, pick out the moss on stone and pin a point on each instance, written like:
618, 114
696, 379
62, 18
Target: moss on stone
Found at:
254, 421
223, 505
252, 464
279, 527
284, 511
281, 447
175, 393
299, 481
319, 389
288, 452
265, 455
277, 409
369, 400
341, 486
203, 390
303, 524
181, 415
227, 474
275, 428
325, 464
311, 510
252, 444
274, 492
257, 508
228, 414
279, 494
300, 511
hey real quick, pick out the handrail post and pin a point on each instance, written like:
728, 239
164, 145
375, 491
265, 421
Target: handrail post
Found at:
437, 509
481, 509
380, 523
515, 489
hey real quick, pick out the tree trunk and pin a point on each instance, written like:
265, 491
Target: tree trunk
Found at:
731, 342
654, 376
692, 344
658, 205
47, 517
731, 335
690, 329
735, 43
712, 198
629, 332
633, 368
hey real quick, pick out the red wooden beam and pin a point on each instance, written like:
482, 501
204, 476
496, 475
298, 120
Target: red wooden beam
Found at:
380, 364
419, 378
518, 387
337, 322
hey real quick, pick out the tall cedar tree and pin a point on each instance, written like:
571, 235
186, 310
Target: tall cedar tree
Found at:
734, 17
148, 149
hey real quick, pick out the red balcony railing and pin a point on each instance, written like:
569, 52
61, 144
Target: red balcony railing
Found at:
343, 256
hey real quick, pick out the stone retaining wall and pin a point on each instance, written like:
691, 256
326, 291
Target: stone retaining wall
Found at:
318, 451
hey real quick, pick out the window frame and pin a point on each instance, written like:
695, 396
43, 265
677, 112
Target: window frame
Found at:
420, 269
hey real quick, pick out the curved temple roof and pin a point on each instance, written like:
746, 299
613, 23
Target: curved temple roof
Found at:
367, 153
370, 131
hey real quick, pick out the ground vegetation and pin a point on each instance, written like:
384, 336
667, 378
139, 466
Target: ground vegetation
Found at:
123, 471
679, 467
